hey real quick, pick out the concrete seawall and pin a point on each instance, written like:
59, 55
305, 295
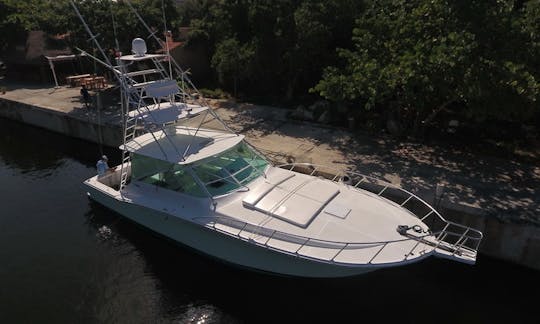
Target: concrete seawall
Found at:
516, 243
57, 121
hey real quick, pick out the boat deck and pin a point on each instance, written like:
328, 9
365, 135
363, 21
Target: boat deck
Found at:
361, 235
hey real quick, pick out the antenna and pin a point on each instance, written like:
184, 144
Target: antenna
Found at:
138, 47
168, 32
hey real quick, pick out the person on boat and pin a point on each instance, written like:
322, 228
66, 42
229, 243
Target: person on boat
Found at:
102, 166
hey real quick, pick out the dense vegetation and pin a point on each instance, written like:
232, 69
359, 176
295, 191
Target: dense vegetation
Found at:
111, 20
409, 61
414, 58
276, 48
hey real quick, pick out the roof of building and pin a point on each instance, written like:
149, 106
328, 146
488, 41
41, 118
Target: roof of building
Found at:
172, 45
39, 45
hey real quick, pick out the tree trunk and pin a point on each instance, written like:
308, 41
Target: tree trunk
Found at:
419, 127
416, 124
435, 112
290, 88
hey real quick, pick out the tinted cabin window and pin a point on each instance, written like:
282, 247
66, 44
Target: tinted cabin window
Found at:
230, 170
164, 174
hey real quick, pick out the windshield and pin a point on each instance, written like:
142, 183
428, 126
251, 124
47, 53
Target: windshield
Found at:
230, 170
214, 176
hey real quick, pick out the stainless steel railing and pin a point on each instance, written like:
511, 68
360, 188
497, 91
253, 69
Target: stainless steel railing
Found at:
268, 234
261, 236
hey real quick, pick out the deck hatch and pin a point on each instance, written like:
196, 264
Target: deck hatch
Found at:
337, 210
276, 177
299, 204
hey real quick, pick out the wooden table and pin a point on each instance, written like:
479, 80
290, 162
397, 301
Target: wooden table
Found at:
75, 80
94, 82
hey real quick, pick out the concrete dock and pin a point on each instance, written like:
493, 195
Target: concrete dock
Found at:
498, 196
62, 110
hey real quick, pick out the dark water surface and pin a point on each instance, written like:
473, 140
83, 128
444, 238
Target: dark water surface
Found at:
64, 259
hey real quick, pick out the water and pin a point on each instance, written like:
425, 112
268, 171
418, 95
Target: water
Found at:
65, 259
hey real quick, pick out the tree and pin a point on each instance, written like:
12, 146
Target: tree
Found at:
420, 57
233, 61
19, 17
289, 42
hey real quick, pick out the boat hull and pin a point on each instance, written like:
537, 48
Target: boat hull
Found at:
221, 246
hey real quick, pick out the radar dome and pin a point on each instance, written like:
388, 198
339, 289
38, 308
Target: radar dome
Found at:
138, 47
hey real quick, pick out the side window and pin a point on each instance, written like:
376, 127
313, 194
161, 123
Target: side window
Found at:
180, 180
215, 177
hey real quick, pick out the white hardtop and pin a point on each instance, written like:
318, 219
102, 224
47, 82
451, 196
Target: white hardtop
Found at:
182, 145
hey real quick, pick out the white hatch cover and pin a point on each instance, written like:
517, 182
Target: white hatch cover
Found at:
337, 210
297, 204
274, 177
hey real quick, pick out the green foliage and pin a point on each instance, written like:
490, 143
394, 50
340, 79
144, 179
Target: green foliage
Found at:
419, 57
232, 60
409, 58
58, 16
282, 45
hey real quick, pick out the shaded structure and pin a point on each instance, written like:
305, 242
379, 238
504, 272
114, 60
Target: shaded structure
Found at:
33, 59
61, 58
192, 57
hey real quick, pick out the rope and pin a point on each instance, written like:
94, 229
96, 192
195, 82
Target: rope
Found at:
98, 107
100, 135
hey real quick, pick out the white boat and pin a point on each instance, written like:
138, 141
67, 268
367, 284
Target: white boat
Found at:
187, 177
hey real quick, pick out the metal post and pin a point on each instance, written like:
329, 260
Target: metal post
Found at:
439, 192
51, 64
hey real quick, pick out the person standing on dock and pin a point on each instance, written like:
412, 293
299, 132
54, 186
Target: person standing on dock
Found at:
86, 95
